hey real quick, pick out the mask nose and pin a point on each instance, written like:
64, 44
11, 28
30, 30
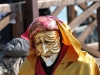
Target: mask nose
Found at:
45, 50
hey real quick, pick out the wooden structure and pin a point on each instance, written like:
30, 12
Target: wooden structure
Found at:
31, 7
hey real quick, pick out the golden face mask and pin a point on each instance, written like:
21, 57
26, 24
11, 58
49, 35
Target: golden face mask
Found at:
47, 42
47, 45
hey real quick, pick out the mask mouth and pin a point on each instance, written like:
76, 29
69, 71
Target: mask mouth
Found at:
46, 56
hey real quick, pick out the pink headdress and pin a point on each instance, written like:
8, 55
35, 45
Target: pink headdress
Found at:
42, 23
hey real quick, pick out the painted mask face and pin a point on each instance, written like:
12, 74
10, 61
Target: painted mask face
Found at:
47, 45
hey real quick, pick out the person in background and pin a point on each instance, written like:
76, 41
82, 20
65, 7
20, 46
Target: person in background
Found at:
14, 54
55, 51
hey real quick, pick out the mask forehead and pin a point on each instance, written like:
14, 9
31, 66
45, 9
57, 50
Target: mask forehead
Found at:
47, 43
46, 36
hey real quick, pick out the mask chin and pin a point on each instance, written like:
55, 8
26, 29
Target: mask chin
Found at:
49, 60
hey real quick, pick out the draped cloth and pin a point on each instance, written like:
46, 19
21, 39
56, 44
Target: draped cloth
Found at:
74, 62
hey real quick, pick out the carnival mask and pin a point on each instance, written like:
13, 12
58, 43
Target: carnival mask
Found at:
47, 45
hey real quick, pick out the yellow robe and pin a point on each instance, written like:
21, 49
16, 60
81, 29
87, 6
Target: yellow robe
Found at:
75, 61
85, 65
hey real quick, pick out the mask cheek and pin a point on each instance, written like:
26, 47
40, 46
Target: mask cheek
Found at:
55, 48
38, 50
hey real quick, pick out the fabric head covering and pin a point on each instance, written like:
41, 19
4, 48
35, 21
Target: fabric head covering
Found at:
42, 23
